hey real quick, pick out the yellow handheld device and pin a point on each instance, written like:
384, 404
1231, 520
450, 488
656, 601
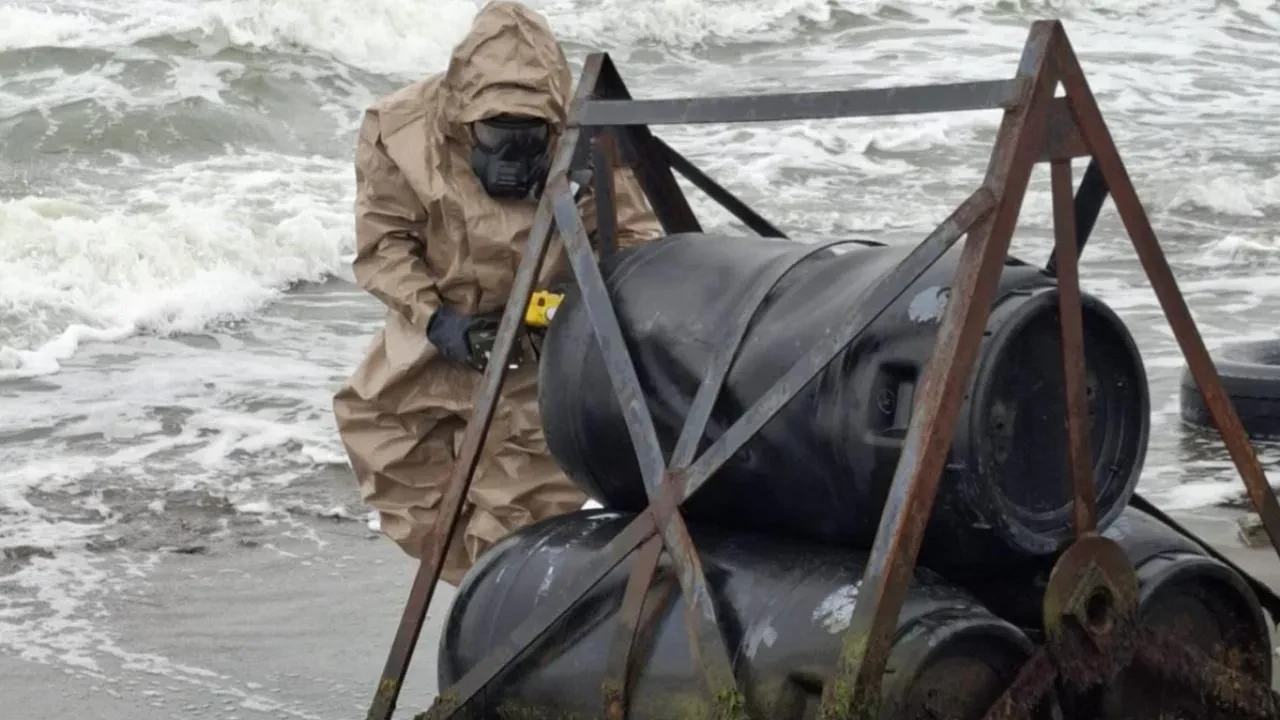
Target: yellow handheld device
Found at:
542, 307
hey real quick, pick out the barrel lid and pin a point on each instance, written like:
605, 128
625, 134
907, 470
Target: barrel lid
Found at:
1018, 410
953, 665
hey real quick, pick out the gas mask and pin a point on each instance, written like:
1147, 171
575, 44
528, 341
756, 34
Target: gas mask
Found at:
510, 156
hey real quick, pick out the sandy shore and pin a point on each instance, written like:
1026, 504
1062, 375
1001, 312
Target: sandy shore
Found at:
290, 631
296, 630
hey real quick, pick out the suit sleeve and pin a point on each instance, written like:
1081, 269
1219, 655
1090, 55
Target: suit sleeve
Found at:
390, 247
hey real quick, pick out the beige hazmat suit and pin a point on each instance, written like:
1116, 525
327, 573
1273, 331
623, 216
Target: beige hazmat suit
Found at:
426, 234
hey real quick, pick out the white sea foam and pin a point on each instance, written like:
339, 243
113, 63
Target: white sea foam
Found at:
181, 250
379, 35
189, 246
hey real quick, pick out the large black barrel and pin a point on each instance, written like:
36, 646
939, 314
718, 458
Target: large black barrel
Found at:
1184, 595
821, 468
784, 605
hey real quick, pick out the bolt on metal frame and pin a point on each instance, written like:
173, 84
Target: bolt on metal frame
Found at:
605, 123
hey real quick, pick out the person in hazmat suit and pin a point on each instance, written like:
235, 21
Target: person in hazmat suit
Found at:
448, 175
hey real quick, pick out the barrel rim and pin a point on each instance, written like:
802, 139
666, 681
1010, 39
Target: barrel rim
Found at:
1013, 522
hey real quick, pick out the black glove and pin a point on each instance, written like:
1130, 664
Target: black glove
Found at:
468, 340
447, 330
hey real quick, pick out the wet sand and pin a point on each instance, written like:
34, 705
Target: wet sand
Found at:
289, 631
296, 630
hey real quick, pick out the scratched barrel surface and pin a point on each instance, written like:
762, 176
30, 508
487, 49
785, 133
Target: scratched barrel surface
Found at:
821, 468
1184, 595
784, 605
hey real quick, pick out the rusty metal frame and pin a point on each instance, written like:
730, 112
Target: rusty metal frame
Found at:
604, 123
1047, 61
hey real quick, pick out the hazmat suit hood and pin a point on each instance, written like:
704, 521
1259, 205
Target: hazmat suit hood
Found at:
509, 62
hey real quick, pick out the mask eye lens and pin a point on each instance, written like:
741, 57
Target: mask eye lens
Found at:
496, 132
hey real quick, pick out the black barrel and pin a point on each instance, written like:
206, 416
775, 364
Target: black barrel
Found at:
821, 468
784, 606
1195, 600
1184, 594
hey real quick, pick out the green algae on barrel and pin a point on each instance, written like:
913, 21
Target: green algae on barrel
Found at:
785, 606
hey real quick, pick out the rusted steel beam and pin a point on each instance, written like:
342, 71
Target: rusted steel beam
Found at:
436, 545
1079, 449
873, 102
878, 298
651, 167
717, 192
604, 158
855, 693
708, 643
1095, 133
1090, 197
617, 672
1062, 140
